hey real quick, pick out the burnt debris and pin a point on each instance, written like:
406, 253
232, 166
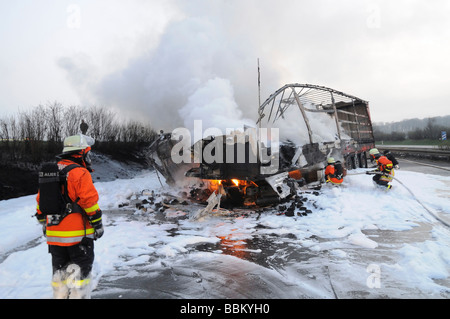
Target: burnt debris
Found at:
315, 122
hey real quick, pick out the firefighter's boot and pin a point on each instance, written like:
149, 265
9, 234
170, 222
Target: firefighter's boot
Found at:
60, 289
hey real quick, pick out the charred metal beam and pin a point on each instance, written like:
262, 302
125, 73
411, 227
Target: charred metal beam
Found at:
302, 109
336, 116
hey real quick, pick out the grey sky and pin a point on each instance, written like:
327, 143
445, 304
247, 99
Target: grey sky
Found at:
151, 59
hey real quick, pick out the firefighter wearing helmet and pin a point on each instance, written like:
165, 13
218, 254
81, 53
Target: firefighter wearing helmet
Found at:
71, 234
384, 173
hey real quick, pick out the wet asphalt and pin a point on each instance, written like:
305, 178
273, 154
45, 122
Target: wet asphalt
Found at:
260, 271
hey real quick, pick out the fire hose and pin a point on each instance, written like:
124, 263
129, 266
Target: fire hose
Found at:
412, 194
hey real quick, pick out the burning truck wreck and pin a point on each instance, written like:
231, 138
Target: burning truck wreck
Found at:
298, 127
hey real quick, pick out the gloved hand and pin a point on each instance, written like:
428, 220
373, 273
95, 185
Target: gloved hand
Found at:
96, 222
99, 232
41, 218
397, 167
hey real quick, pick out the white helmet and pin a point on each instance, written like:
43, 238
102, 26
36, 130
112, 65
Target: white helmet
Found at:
77, 143
331, 160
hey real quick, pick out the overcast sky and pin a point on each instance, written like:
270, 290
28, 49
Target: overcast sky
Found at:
167, 61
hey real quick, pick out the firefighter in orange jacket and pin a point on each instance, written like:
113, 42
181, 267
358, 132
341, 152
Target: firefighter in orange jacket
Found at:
384, 173
71, 241
334, 172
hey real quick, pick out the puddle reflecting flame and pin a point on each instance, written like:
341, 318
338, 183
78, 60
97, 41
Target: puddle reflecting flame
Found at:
234, 247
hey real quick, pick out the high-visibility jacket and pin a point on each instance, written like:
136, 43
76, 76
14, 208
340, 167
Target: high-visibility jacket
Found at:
330, 172
71, 230
386, 166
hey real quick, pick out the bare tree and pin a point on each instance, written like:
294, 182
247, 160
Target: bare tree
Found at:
37, 134
38, 116
4, 138
72, 118
14, 136
55, 121
4, 130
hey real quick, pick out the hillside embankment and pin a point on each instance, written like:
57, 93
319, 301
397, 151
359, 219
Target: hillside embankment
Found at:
21, 179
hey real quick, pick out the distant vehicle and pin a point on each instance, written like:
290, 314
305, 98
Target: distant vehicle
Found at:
314, 123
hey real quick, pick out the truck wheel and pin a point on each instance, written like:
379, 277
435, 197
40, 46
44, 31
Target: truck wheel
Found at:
357, 157
350, 161
364, 159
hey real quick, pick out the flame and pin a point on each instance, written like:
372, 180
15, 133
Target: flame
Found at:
214, 184
224, 187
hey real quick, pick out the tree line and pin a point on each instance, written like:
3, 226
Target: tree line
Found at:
431, 131
37, 134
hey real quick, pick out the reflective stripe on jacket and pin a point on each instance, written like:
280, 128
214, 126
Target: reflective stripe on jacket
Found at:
75, 226
385, 166
330, 175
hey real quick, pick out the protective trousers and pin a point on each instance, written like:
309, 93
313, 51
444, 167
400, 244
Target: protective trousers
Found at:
72, 267
382, 180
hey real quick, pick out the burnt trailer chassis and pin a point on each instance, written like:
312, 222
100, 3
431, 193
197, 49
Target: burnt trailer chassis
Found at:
299, 164
351, 116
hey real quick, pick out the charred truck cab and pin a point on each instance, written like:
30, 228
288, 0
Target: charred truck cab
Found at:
313, 123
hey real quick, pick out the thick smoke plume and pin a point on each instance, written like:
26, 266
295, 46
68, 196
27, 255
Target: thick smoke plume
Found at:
204, 68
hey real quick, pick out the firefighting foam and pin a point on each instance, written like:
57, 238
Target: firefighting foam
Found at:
347, 224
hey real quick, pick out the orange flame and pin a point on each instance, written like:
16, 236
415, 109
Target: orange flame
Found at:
215, 184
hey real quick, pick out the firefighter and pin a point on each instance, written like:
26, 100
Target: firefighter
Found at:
71, 239
334, 172
384, 172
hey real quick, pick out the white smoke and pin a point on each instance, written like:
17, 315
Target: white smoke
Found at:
292, 125
317, 42
203, 68
214, 103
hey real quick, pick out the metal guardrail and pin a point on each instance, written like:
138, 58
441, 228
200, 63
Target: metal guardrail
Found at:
416, 149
